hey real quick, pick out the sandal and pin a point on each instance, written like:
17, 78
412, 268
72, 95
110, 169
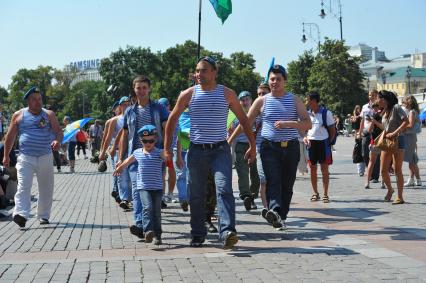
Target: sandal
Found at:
325, 199
315, 197
388, 196
398, 201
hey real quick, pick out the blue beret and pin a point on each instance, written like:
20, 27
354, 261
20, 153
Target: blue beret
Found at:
278, 69
164, 101
147, 130
244, 94
114, 105
123, 99
31, 91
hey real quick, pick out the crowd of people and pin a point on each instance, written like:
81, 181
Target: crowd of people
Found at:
196, 146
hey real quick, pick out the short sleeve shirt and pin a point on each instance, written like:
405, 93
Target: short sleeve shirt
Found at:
318, 131
150, 164
395, 119
367, 110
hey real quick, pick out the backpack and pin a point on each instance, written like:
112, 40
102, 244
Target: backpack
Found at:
324, 123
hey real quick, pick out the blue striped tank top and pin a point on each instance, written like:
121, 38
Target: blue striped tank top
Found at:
35, 134
281, 108
143, 118
149, 175
208, 112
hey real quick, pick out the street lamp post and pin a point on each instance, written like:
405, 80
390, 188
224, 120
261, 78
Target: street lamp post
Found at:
318, 39
339, 17
408, 79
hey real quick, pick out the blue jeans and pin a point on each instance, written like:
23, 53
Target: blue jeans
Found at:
124, 184
114, 178
181, 177
280, 166
137, 203
71, 150
151, 201
219, 160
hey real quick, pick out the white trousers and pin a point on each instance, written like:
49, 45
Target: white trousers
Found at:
42, 167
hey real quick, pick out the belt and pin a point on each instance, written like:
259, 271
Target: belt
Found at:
283, 144
208, 145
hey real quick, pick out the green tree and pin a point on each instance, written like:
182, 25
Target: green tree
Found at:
90, 95
3, 94
24, 79
337, 77
120, 68
298, 73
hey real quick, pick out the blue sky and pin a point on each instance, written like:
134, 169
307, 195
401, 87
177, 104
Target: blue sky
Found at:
56, 33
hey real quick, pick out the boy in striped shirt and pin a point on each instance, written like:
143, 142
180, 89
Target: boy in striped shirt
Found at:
149, 182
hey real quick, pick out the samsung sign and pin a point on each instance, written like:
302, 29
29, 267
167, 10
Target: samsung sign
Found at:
86, 64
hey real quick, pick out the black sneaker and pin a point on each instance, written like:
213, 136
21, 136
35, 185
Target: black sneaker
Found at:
253, 204
196, 241
247, 203
264, 211
210, 227
274, 218
138, 232
230, 240
163, 204
20, 220
124, 204
184, 205
157, 241
43, 221
149, 236
114, 194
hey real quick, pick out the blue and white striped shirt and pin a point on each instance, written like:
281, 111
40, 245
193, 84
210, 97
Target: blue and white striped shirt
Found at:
143, 118
150, 174
281, 108
35, 133
208, 112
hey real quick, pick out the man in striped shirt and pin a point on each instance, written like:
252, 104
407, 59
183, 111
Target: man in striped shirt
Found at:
283, 115
208, 104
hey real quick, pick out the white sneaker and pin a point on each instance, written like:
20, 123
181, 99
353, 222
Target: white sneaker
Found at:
283, 226
409, 183
72, 170
418, 183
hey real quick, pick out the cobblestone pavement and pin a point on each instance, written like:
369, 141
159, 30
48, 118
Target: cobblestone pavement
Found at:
354, 238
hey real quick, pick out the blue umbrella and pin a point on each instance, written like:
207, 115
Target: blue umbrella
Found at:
72, 129
422, 115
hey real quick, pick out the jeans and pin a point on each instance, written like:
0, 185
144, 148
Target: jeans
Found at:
151, 201
246, 173
181, 177
137, 203
124, 184
280, 166
200, 161
71, 150
114, 178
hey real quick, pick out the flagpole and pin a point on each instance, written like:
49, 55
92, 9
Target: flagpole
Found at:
199, 31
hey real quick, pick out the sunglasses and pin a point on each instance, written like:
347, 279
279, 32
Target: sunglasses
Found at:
147, 141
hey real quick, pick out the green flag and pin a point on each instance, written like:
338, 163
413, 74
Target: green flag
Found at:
223, 8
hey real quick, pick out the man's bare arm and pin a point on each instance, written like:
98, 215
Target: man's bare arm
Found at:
11, 136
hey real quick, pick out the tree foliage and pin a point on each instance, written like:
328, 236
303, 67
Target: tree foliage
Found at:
298, 73
333, 73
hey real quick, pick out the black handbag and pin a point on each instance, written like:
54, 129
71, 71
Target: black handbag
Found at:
357, 152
